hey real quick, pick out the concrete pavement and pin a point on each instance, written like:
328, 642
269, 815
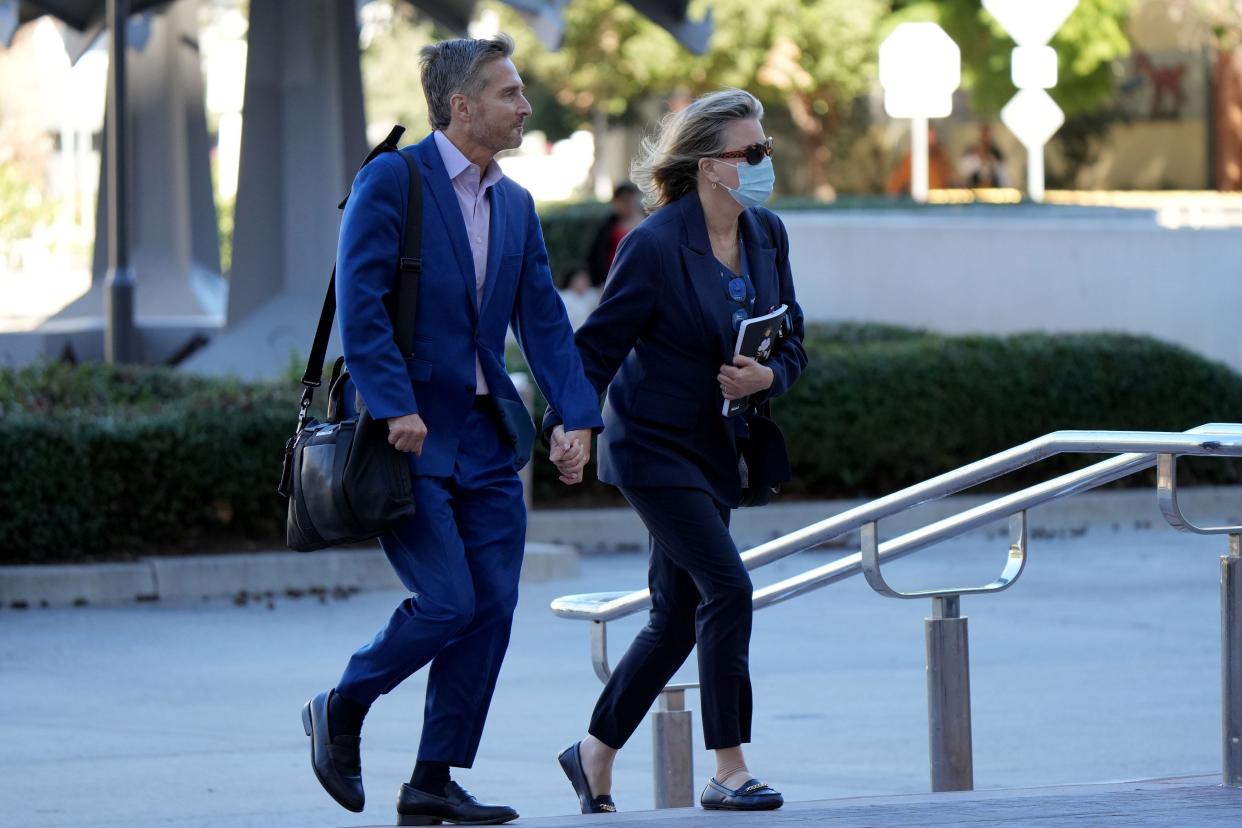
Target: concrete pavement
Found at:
1198, 801
1102, 663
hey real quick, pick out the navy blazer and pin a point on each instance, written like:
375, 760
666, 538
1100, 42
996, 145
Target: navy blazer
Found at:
438, 382
657, 340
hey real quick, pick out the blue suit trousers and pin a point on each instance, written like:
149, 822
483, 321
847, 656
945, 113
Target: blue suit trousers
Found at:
460, 557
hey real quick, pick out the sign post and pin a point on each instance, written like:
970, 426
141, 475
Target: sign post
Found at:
1032, 115
920, 67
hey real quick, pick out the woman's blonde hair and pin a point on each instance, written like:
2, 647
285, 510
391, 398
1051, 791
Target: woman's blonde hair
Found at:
667, 166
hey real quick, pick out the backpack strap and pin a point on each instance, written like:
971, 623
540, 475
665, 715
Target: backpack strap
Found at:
410, 267
409, 270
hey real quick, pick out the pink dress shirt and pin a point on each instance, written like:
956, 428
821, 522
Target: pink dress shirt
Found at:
472, 196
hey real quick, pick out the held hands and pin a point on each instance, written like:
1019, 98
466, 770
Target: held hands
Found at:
743, 378
570, 453
407, 433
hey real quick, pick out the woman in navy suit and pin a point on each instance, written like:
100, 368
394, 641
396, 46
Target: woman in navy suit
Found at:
661, 342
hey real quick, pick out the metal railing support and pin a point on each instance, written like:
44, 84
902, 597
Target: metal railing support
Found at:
1231, 661
948, 696
673, 751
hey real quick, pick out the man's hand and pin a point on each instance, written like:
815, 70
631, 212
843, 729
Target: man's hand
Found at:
570, 453
743, 378
407, 433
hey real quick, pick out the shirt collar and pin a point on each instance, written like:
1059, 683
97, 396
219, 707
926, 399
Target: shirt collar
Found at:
457, 164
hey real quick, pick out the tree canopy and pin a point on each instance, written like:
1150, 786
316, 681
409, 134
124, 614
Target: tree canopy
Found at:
809, 61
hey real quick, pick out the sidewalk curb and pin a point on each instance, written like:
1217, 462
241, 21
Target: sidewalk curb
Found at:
555, 537
197, 577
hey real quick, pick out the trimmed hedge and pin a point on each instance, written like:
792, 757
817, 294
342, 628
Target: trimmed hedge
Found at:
871, 419
97, 462
882, 407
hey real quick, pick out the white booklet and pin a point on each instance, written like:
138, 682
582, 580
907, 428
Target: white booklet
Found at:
755, 339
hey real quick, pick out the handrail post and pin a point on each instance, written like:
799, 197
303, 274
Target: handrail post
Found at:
673, 751
948, 696
1231, 661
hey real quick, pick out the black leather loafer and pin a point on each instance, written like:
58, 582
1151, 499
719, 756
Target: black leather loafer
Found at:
336, 761
753, 796
457, 807
571, 763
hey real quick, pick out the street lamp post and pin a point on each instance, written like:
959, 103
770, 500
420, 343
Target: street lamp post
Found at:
120, 338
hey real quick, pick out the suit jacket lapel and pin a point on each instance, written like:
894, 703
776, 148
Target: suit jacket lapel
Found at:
495, 244
761, 259
704, 274
450, 213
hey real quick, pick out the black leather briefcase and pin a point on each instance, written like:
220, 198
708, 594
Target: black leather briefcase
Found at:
344, 481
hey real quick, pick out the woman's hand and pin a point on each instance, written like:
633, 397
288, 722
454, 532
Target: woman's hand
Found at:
570, 452
743, 378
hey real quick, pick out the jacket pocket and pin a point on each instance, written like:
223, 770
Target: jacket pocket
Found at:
418, 369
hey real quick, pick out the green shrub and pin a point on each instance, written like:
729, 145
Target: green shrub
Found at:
883, 407
102, 462
868, 420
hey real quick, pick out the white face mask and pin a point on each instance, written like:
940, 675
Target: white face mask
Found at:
754, 182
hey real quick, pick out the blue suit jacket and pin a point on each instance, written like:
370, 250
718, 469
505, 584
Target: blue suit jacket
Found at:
657, 340
438, 382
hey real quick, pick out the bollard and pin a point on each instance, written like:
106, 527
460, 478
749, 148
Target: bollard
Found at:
948, 696
1231, 662
673, 750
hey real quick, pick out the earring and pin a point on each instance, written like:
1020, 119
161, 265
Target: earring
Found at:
714, 185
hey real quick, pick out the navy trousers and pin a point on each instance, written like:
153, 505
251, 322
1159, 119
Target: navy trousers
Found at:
460, 557
700, 592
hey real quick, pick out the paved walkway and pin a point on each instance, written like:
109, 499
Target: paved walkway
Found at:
1198, 801
1102, 663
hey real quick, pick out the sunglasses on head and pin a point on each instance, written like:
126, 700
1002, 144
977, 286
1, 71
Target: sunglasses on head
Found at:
753, 154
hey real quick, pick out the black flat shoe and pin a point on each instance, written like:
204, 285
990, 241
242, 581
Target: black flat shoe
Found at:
457, 807
571, 763
336, 761
752, 796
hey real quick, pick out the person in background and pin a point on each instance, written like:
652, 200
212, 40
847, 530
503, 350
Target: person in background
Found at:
983, 165
939, 168
578, 294
627, 212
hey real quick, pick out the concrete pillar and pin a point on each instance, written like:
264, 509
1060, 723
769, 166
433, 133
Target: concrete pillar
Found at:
303, 137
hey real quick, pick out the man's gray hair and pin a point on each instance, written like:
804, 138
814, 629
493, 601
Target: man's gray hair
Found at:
668, 164
453, 67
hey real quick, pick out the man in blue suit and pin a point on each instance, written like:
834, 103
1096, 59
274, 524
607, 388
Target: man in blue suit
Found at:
454, 409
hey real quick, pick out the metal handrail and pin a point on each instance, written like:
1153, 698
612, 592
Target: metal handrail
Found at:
1137, 451
948, 668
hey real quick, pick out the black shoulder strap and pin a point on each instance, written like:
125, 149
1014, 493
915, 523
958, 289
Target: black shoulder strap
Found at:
410, 268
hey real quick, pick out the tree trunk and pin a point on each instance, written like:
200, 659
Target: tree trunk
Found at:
818, 155
1227, 106
601, 180
814, 131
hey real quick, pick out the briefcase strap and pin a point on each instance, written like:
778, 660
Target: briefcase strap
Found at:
409, 273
